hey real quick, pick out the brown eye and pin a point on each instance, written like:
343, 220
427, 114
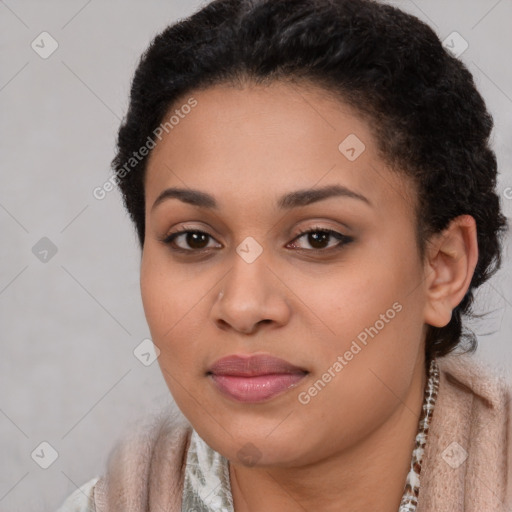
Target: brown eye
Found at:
193, 240
196, 240
319, 239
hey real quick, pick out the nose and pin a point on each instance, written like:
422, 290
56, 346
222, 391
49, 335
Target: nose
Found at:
252, 296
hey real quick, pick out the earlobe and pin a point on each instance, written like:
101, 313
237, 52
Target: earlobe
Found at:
451, 261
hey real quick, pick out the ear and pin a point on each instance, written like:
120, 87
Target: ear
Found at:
451, 260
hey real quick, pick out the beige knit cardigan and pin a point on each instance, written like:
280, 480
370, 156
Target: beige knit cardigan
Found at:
467, 463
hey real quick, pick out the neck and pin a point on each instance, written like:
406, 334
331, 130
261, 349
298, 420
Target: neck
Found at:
370, 475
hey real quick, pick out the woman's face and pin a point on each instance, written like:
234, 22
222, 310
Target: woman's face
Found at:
346, 307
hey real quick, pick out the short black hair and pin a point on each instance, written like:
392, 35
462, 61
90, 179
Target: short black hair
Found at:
429, 120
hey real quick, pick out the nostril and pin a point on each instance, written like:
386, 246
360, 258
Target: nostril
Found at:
222, 324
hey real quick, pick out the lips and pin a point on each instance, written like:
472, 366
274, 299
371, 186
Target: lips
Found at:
254, 378
251, 366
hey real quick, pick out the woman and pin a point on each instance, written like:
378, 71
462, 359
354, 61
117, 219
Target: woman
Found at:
313, 192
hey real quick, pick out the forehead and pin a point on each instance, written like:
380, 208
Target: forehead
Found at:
262, 141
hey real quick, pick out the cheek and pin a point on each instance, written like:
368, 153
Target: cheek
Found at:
166, 305
166, 294
176, 308
344, 303
371, 316
352, 396
160, 305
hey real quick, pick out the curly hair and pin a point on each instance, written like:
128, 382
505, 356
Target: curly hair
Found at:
428, 119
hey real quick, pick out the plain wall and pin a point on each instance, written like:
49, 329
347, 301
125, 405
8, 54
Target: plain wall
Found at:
69, 325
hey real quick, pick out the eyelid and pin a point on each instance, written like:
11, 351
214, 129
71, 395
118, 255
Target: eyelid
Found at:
185, 227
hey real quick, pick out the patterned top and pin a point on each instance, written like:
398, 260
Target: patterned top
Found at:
207, 487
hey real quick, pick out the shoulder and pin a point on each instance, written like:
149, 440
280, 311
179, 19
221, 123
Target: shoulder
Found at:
81, 500
148, 439
151, 453
467, 376
469, 451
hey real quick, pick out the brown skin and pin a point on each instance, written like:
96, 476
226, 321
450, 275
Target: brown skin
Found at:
349, 448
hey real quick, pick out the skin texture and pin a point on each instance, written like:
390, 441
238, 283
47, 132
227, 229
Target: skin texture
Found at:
349, 447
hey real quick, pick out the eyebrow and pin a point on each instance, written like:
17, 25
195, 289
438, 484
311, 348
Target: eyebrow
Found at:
291, 200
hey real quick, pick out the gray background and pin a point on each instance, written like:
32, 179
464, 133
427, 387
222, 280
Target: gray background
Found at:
68, 375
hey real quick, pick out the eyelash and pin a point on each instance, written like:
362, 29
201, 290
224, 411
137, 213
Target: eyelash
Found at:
343, 240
